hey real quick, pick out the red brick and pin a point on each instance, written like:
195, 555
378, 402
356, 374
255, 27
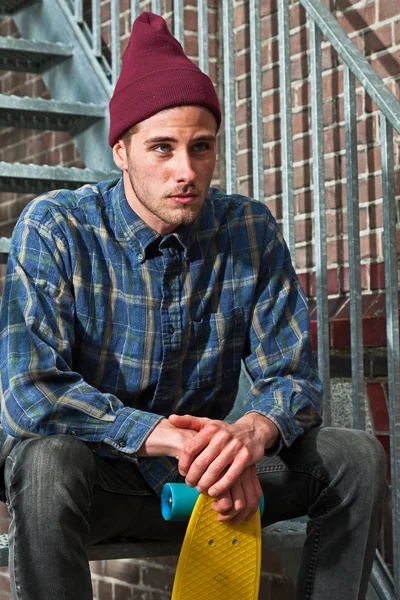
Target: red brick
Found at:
302, 148
387, 10
271, 130
377, 275
273, 182
303, 202
270, 79
297, 15
305, 282
270, 104
268, 7
242, 64
303, 230
358, 19
300, 122
374, 160
370, 246
387, 65
337, 251
269, 26
344, 278
385, 441
378, 39
299, 68
240, 15
378, 404
121, 592
243, 164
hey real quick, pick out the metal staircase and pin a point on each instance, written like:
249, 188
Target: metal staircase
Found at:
82, 112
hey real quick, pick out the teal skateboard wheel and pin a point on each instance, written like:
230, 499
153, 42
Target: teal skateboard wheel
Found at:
178, 500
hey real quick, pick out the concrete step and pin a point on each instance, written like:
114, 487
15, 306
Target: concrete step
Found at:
38, 113
10, 7
17, 54
37, 179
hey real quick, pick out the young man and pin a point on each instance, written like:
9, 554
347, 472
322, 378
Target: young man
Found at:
127, 310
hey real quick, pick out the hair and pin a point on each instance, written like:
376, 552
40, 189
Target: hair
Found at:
126, 137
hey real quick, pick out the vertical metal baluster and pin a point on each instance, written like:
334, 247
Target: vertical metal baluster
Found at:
286, 126
155, 6
256, 101
179, 26
96, 28
392, 330
229, 97
115, 41
202, 14
357, 350
78, 11
135, 9
320, 215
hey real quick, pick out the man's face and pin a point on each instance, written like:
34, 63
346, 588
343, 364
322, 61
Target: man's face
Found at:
168, 165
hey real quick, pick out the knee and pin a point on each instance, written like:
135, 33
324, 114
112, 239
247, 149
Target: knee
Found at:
357, 460
49, 465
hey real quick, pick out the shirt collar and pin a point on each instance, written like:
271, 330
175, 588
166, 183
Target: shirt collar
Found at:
142, 236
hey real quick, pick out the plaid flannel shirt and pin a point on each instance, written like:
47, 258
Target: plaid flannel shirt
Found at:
107, 326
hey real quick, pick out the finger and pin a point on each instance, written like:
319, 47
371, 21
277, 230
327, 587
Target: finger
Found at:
249, 487
189, 421
223, 504
238, 462
237, 502
206, 468
193, 462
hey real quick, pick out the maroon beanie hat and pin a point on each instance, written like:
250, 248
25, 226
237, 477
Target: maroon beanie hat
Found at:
156, 74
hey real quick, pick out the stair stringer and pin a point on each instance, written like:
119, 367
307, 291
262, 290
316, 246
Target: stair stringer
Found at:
78, 79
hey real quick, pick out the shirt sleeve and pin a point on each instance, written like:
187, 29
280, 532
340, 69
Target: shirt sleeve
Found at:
41, 392
280, 361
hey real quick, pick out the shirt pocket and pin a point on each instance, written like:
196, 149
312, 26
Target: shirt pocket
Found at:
214, 350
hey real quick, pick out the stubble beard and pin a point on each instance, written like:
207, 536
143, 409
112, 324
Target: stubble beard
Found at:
174, 216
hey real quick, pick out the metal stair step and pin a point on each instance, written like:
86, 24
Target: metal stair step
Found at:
37, 179
38, 113
18, 54
10, 7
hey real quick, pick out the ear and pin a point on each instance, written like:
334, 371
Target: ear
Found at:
119, 155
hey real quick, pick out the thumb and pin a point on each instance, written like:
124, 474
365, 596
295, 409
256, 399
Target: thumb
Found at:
188, 421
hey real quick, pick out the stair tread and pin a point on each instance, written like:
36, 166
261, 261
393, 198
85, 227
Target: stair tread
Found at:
35, 46
32, 171
26, 103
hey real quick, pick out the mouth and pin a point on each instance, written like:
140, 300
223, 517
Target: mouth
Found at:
184, 198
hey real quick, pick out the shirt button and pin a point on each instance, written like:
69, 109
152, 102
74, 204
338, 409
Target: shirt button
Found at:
171, 330
122, 443
140, 257
72, 432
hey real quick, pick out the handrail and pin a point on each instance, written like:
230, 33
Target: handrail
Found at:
355, 60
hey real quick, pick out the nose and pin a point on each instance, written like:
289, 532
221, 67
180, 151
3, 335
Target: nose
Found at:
184, 172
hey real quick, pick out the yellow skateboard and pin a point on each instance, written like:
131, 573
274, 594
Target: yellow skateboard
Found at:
218, 560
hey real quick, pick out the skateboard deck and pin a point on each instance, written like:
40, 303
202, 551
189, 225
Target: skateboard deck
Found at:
218, 560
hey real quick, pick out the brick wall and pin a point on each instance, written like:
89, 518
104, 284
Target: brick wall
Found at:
374, 25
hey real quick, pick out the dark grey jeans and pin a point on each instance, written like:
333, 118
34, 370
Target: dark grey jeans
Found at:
62, 497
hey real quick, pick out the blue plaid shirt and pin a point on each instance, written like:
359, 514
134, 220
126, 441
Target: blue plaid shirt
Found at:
107, 326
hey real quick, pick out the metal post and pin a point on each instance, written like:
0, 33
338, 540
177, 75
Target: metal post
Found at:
256, 101
320, 215
202, 14
96, 28
229, 97
115, 41
155, 6
286, 126
78, 12
357, 350
135, 9
179, 28
392, 330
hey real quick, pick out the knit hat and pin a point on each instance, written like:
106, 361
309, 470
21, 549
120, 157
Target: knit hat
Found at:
156, 74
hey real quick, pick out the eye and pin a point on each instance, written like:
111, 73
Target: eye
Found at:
162, 148
201, 146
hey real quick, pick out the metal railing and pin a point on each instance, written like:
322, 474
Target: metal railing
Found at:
355, 67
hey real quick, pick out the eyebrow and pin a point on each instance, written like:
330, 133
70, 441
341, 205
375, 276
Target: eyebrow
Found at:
163, 139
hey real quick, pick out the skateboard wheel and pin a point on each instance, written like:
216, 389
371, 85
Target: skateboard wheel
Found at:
178, 500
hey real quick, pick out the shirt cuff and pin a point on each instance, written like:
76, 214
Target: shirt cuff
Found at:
288, 427
130, 429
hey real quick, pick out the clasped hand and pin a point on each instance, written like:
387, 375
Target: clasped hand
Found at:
221, 459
